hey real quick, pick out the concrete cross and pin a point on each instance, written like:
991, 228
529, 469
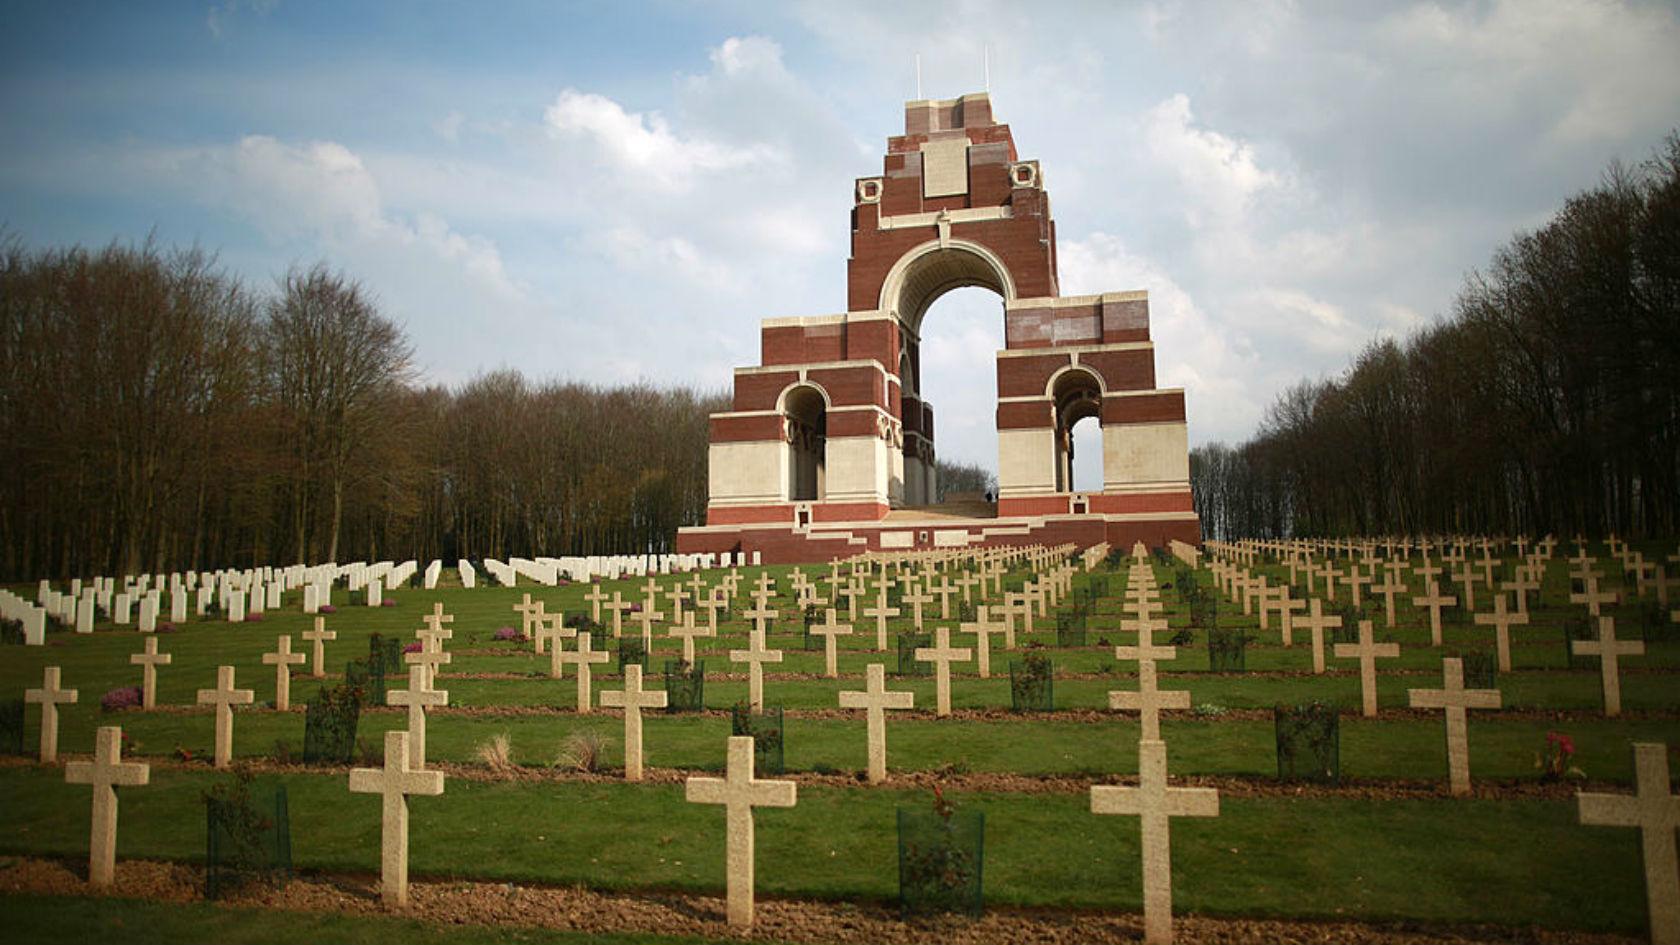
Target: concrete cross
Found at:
317, 637
942, 655
1455, 699
851, 589
1154, 802
830, 632
149, 661
982, 628
1655, 811
596, 598
755, 656
633, 699
1367, 651
1391, 586
1501, 621
530, 613
1609, 651
967, 581
106, 772
647, 616
394, 783
880, 612
1149, 700
676, 595
874, 700
1592, 597
1287, 607
50, 696
417, 698
1467, 579
916, 598
224, 697
1434, 600
283, 659
584, 657
650, 594
435, 620
1355, 580
1317, 622
617, 608
739, 792
943, 590
712, 603
687, 632
431, 656
761, 614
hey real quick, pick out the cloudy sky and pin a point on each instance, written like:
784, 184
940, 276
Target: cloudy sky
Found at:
614, 192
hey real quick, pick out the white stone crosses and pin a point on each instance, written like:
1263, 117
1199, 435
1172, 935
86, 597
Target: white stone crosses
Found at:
148, 662
942, 655
431, 656
1455, 699
1367, 651
1434, 600
417, 697
317, 637
283, 659
395, 782
740, 792
583, 656
1149, 700
982, 628
224, 697
687, 631
881, 612
596, 598
1317, 622
1609, 651
1155, 802
633, 699
105, 772
49, 696
1655, 811
830, 632
1501, 620
755, 656
874, 700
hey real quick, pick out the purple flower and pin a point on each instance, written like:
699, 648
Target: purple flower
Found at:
414, 647
165, 628
126, 697
388, 602
254, 616
508, 633
326, 609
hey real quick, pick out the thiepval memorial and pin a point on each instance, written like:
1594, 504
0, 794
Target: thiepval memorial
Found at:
829, 448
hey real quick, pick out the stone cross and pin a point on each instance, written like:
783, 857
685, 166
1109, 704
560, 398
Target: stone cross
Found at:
49, 696
395, 782
617, 608
1455, 699
596, 598
105, 773
1434, 600
676, 595
1501, 620
755, 656
1609, 651
647, 615
1367, 651
875, 699
916, 597
1149, 700
943, 590
319, 636
739, 792
283, 659
224, 697
761, 614
1355, 580
687, 631
436, 619
633, 699
942, 655
982, 628
1154, 802
1317, 622
1655, 811
431, 656
1391, 586
149, 661
417, 697
583, 656
881, 612
530, 613
830, 632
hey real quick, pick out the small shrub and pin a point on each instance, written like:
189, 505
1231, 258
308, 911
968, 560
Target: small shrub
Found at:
126, 697
496, 753
326, 609
388, 602
1557, 762
282, 751
508, 635
582, 751
255, 616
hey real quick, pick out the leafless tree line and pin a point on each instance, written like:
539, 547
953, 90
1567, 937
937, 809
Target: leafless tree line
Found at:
157, 414
1548, 402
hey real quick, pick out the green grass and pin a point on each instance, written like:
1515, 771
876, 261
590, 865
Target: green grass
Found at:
1510, 862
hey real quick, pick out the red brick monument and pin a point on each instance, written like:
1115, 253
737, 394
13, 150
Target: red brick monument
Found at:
829, 450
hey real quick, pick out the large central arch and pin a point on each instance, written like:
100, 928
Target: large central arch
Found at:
936, 267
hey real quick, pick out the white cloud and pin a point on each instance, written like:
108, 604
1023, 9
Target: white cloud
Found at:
644, 143
1220, 176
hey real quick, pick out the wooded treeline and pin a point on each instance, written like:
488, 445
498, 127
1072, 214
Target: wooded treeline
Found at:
160, 415
1547, 402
